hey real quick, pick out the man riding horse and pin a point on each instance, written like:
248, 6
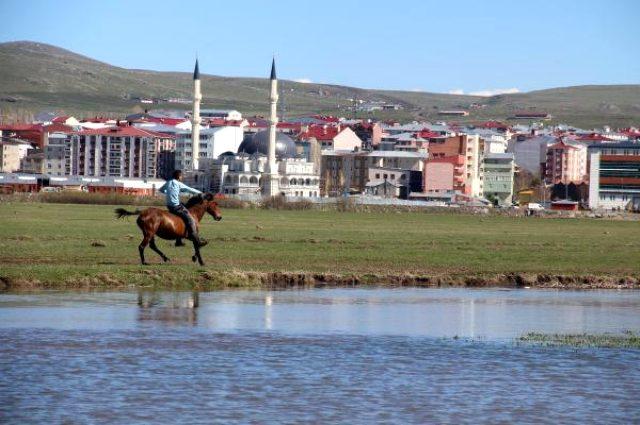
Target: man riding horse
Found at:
172, 188
181, 221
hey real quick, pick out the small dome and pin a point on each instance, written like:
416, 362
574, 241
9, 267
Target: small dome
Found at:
259, 143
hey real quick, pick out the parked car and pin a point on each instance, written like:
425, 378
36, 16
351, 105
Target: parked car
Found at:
534, 206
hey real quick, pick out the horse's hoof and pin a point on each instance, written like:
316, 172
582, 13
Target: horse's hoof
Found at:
145, 264
194, 259
166, 259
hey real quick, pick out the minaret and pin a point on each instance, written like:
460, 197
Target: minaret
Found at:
271, 187
195, 119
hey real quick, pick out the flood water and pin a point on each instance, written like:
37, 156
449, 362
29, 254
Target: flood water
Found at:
332, 355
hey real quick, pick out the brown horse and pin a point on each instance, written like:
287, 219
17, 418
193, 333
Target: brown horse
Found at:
158, 222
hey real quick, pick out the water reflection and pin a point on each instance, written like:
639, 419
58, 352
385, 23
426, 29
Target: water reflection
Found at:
411, 312
172, 308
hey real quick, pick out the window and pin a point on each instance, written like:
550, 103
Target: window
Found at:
377, 175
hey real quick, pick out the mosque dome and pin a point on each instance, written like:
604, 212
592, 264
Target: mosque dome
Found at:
259, 143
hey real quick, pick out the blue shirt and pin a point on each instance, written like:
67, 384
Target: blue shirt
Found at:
172, 189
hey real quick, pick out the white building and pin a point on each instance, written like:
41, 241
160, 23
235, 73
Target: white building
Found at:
225, 114
244, 176
614, 176
213, 142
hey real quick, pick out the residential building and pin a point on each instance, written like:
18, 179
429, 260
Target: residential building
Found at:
343, 172
465, 155
614, 176
530, 152
444, 174
499, 169
332, 137
566, 163
57, 154
33, 162
120, 151
11, 153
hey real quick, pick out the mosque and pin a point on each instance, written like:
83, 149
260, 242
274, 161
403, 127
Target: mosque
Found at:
264, 164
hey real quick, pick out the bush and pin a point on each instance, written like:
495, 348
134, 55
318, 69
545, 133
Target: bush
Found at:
85, 198
232, 203
280, 203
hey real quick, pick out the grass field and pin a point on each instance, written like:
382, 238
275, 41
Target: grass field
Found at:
51, 244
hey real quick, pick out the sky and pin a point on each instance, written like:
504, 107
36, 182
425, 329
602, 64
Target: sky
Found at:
454, 46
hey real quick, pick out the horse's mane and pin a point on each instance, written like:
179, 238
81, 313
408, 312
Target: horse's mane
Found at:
194, 200
198, 199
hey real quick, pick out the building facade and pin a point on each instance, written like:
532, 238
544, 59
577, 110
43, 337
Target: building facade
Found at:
11, 153
244, 174
116, 152
614, 180
466, 154
499, 169
566, 163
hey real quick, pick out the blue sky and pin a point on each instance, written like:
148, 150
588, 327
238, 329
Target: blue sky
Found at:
441, 46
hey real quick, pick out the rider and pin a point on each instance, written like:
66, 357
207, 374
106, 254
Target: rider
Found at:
172, 189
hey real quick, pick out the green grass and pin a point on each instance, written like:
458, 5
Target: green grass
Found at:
52, 243
625, 340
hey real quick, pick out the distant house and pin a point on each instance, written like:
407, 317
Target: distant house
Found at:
66, 120
332, 137
453, 113
531, 115
227, 114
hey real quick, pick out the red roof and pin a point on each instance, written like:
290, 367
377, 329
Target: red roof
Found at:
593, 137
21, 127
561, 145
51, 128
428, 134
221, 122
166, 120
492, 124
631, 132
122, 131
326, 118
320, 132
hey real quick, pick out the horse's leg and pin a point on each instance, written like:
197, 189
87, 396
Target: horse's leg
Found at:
152, 244
142, 246
197, 255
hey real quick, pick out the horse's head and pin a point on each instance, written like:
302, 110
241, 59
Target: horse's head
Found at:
212, 207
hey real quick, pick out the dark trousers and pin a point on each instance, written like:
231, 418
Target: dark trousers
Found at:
182, 212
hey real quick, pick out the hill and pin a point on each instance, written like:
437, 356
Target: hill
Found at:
37, 76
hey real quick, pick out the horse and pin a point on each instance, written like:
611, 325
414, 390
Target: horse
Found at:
159, 222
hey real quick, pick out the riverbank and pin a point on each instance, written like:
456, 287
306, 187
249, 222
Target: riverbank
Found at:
60, 246
203, 280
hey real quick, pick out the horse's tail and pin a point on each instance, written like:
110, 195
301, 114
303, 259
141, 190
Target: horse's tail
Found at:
121, 212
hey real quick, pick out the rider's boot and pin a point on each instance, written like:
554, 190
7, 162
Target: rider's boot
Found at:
193, 235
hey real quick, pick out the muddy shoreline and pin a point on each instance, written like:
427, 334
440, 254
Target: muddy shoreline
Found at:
213, 280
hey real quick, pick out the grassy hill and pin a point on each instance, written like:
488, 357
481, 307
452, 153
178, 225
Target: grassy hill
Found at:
36, 76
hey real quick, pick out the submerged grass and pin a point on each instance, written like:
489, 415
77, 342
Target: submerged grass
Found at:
625, 340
